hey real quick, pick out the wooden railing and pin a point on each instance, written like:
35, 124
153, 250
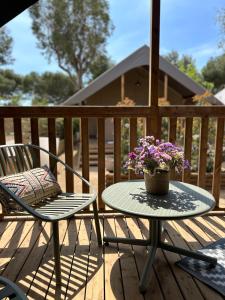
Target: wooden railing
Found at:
153, 117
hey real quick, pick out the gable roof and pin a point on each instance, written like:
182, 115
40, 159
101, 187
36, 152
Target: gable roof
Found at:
137, 59
221, 96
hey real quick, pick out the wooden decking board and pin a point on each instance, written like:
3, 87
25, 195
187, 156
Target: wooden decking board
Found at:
170, 289
53, 292
179, 241
79, 264
154, 291
26, 275
90, 272
4, 226
95, 286
113, 275
195, 245
20, 255
127, 261
8, 249
7, 235
185, 281
68, 252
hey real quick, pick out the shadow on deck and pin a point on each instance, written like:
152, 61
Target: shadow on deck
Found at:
90, 272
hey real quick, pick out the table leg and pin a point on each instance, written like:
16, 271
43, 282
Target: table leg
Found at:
211, 260
155, 231
147, 268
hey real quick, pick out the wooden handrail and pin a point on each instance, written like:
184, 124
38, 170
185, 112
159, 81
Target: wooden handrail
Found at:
111, 111
153, 117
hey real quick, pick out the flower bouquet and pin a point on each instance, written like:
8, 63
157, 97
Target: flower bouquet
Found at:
154, 159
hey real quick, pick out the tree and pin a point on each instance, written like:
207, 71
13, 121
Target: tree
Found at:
214, 71
53, 87
5, 47
173, 58
187, 65
72, 31
10, 83
101, 64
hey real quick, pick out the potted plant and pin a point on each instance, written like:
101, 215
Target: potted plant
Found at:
155, 159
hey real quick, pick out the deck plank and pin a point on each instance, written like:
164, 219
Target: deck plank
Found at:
79, 270
89, 272
154, 292
25, 278
128, 267
30, 233
192, 243
113, 276
95, 283
169, 288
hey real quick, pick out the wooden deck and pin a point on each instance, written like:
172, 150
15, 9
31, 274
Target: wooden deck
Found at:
89, 272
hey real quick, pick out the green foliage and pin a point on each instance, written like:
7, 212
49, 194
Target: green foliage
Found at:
101, 64
55, 87
187, 65
214, 71
10, 83
39, 102
5, 47
74, 32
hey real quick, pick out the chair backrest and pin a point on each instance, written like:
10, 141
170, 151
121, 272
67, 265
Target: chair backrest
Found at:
18, 158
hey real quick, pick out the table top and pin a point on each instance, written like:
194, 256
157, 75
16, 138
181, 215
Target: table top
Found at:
182, 201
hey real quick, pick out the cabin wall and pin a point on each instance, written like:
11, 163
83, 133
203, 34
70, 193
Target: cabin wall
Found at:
136, 88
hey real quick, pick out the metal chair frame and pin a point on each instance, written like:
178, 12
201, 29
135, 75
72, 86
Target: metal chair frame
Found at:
23, 162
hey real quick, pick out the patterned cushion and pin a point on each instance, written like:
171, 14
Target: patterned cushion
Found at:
32, 186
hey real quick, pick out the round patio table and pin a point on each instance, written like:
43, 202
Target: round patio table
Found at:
182, 201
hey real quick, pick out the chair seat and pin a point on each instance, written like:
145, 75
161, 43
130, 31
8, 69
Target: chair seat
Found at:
63, 204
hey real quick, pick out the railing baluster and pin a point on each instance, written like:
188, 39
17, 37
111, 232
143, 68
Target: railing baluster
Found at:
117, 149
153, 126
203, 152
68, 136
52, 145
85, 152
35, 141
218, 160
17, 125
172, 139
101, 161
2, 132
133, 141
187, 147
172, 129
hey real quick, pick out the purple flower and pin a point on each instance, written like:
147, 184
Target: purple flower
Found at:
132, 155
186, 164
153, 153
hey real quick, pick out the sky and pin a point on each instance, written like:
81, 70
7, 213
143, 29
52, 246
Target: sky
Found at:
188, 26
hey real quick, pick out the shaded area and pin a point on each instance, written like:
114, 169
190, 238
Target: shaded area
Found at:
90, 272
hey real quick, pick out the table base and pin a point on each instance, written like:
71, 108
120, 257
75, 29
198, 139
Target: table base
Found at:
155, 242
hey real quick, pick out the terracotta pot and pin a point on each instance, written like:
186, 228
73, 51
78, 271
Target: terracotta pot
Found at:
158, 183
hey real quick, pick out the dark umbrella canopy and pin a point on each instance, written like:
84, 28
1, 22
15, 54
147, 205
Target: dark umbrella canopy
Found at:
9, 9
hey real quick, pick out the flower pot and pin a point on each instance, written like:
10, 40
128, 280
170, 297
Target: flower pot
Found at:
157, 183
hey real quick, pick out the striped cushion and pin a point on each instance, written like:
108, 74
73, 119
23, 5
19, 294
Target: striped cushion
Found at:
32, 186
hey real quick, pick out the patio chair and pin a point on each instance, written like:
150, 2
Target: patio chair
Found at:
10, 290
27, 187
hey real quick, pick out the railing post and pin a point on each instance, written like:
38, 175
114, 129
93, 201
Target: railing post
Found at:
152, 123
